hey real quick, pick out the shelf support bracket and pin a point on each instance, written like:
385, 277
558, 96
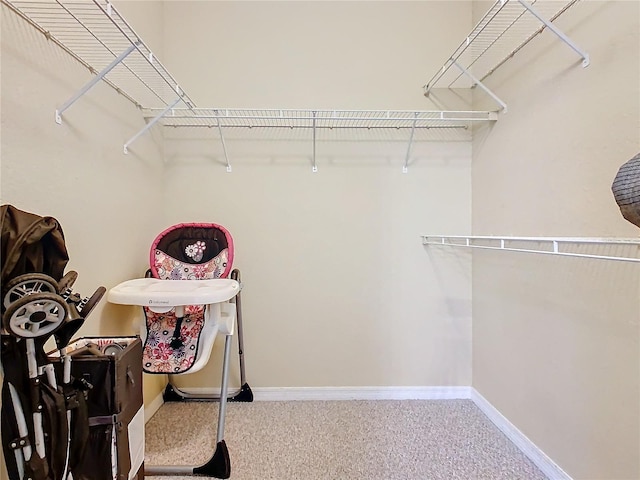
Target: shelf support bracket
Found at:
558, 32
224, 146
477, 82
151, 123
93, 81
314, 167
405, 167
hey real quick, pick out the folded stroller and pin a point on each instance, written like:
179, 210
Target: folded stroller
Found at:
183, 318
44, 411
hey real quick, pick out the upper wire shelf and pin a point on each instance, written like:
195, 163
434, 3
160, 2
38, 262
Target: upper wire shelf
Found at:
506, 28
410, 123
320, 119
97, 36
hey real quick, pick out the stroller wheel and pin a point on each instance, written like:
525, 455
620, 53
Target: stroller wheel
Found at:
88, 303
28, 284
36, 315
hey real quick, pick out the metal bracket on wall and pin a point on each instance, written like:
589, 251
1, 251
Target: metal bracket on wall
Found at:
558, 32
152, 122
405, 167
314, 167
482, 86
224, 146
94, 81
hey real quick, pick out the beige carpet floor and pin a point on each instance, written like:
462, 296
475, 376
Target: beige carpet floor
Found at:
340, 440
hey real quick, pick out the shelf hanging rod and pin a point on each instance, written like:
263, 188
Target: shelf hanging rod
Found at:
152, 122
558, 32
477, 82
93, 82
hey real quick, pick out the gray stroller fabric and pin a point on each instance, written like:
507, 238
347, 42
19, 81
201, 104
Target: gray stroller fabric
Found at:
626, 190
31, 244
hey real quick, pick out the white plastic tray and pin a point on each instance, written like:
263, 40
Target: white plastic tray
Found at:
153, 292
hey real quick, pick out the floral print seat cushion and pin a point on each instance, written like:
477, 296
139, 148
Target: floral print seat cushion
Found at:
171, 345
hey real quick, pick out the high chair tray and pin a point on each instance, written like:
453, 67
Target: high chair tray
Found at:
154, 292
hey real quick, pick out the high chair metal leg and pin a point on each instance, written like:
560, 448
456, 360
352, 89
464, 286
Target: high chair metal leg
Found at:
219, 465
245, 394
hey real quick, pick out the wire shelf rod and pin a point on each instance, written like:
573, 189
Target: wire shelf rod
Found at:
585, 240
366, 117
552, 245
324, 127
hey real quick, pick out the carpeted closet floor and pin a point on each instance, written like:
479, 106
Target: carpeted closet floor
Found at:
340, 440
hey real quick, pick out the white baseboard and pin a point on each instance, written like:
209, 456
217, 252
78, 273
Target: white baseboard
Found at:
153, 407
283, 394
519, 439
360, 393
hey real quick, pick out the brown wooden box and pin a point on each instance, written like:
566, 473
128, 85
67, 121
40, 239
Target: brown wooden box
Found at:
113, 366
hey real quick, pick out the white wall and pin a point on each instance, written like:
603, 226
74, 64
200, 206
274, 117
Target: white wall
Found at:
556, 341
109, 204
303, 326
338, 288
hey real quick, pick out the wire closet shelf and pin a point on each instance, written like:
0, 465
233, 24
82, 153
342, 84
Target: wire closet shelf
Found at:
95, 34
320, 119
98, 37
617, 249
506, 28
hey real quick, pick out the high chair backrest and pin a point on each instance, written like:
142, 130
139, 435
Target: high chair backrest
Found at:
192, 251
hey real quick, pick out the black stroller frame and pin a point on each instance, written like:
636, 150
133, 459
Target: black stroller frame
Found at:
44, 413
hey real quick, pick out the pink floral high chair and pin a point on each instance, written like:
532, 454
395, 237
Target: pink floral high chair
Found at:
174, 343
183, 317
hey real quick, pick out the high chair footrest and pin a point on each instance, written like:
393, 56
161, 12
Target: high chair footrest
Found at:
219, 466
